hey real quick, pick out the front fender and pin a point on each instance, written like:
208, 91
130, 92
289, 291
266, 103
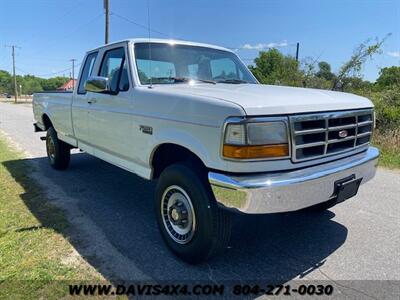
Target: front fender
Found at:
184, 139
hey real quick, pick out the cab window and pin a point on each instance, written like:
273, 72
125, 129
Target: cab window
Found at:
124, 81
86, 71
115, 69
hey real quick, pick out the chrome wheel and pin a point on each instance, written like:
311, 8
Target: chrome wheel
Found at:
51, 148
178, 214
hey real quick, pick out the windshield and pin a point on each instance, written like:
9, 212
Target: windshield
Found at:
170, 64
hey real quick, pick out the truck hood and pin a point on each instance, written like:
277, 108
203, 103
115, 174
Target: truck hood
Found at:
259, 99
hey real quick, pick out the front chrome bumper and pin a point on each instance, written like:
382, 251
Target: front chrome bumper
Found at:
291, 190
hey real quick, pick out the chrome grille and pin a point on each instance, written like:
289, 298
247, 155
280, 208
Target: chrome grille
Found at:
323, 134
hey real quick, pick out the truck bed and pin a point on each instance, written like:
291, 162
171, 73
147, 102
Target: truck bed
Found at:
56, 104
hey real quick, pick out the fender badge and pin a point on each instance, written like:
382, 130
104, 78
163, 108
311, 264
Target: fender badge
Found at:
146, 129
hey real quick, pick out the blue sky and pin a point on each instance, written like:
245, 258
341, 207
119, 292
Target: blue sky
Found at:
50, 32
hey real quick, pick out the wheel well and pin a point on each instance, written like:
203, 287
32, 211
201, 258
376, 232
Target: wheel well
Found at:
168, 154
46, 122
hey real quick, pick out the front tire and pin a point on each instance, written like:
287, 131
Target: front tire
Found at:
58, 152
191, 223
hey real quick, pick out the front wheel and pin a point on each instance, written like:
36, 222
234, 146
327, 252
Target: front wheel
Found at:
58, 152
191, 223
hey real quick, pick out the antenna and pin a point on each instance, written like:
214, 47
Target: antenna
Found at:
149, 29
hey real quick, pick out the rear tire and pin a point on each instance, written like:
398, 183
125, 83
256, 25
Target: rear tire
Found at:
191, 223
58, 152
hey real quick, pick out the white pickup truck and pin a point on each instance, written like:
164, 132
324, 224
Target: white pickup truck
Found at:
193, 117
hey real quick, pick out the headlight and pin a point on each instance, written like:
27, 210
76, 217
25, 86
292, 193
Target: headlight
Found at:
267, 133
256, 140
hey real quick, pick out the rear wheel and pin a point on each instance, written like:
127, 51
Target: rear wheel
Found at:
58, 152
191, 223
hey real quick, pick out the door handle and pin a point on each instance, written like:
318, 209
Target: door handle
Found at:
91, 101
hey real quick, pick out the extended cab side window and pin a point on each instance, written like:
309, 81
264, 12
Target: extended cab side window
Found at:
115, 69
86, 72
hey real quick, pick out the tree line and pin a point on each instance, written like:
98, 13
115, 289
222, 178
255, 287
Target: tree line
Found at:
273, 67
276, 68
30, 84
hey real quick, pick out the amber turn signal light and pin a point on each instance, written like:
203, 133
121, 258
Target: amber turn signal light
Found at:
252, 152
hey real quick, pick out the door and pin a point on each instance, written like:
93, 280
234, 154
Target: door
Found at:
110, 119
80, 105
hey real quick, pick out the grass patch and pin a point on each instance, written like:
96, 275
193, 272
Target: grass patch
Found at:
388, 143
34, 254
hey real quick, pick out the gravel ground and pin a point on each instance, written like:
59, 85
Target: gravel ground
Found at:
114, 229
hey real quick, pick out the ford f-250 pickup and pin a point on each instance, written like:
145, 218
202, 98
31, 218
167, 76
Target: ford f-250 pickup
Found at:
194, 117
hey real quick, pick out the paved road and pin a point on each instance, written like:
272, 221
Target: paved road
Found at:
115, 231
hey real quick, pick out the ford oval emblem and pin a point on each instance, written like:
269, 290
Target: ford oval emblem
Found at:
343, 133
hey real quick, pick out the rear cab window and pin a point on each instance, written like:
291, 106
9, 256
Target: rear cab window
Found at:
86, 71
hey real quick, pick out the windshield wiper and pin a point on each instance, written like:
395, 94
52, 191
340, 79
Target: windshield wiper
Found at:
175, 79
181, 79
233, 81
204, 80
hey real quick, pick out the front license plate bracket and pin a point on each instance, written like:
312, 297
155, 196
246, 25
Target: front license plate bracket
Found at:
346, 188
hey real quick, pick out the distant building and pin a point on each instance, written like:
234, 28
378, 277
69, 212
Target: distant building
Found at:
68, 86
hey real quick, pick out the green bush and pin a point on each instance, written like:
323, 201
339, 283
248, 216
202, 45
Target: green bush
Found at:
387, 107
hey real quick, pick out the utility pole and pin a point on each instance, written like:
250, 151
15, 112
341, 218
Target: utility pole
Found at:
297, 51
73, 72
14, 75
107, 13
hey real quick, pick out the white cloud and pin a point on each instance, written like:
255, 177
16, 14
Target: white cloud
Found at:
261, 46
394, 53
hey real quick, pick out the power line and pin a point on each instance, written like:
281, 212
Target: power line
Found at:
57, 72
140, 25
51, 43
53, 73
48, 74
168, 35
46, 58
24, 72
73, 8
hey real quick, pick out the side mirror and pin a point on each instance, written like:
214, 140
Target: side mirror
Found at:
97, 84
